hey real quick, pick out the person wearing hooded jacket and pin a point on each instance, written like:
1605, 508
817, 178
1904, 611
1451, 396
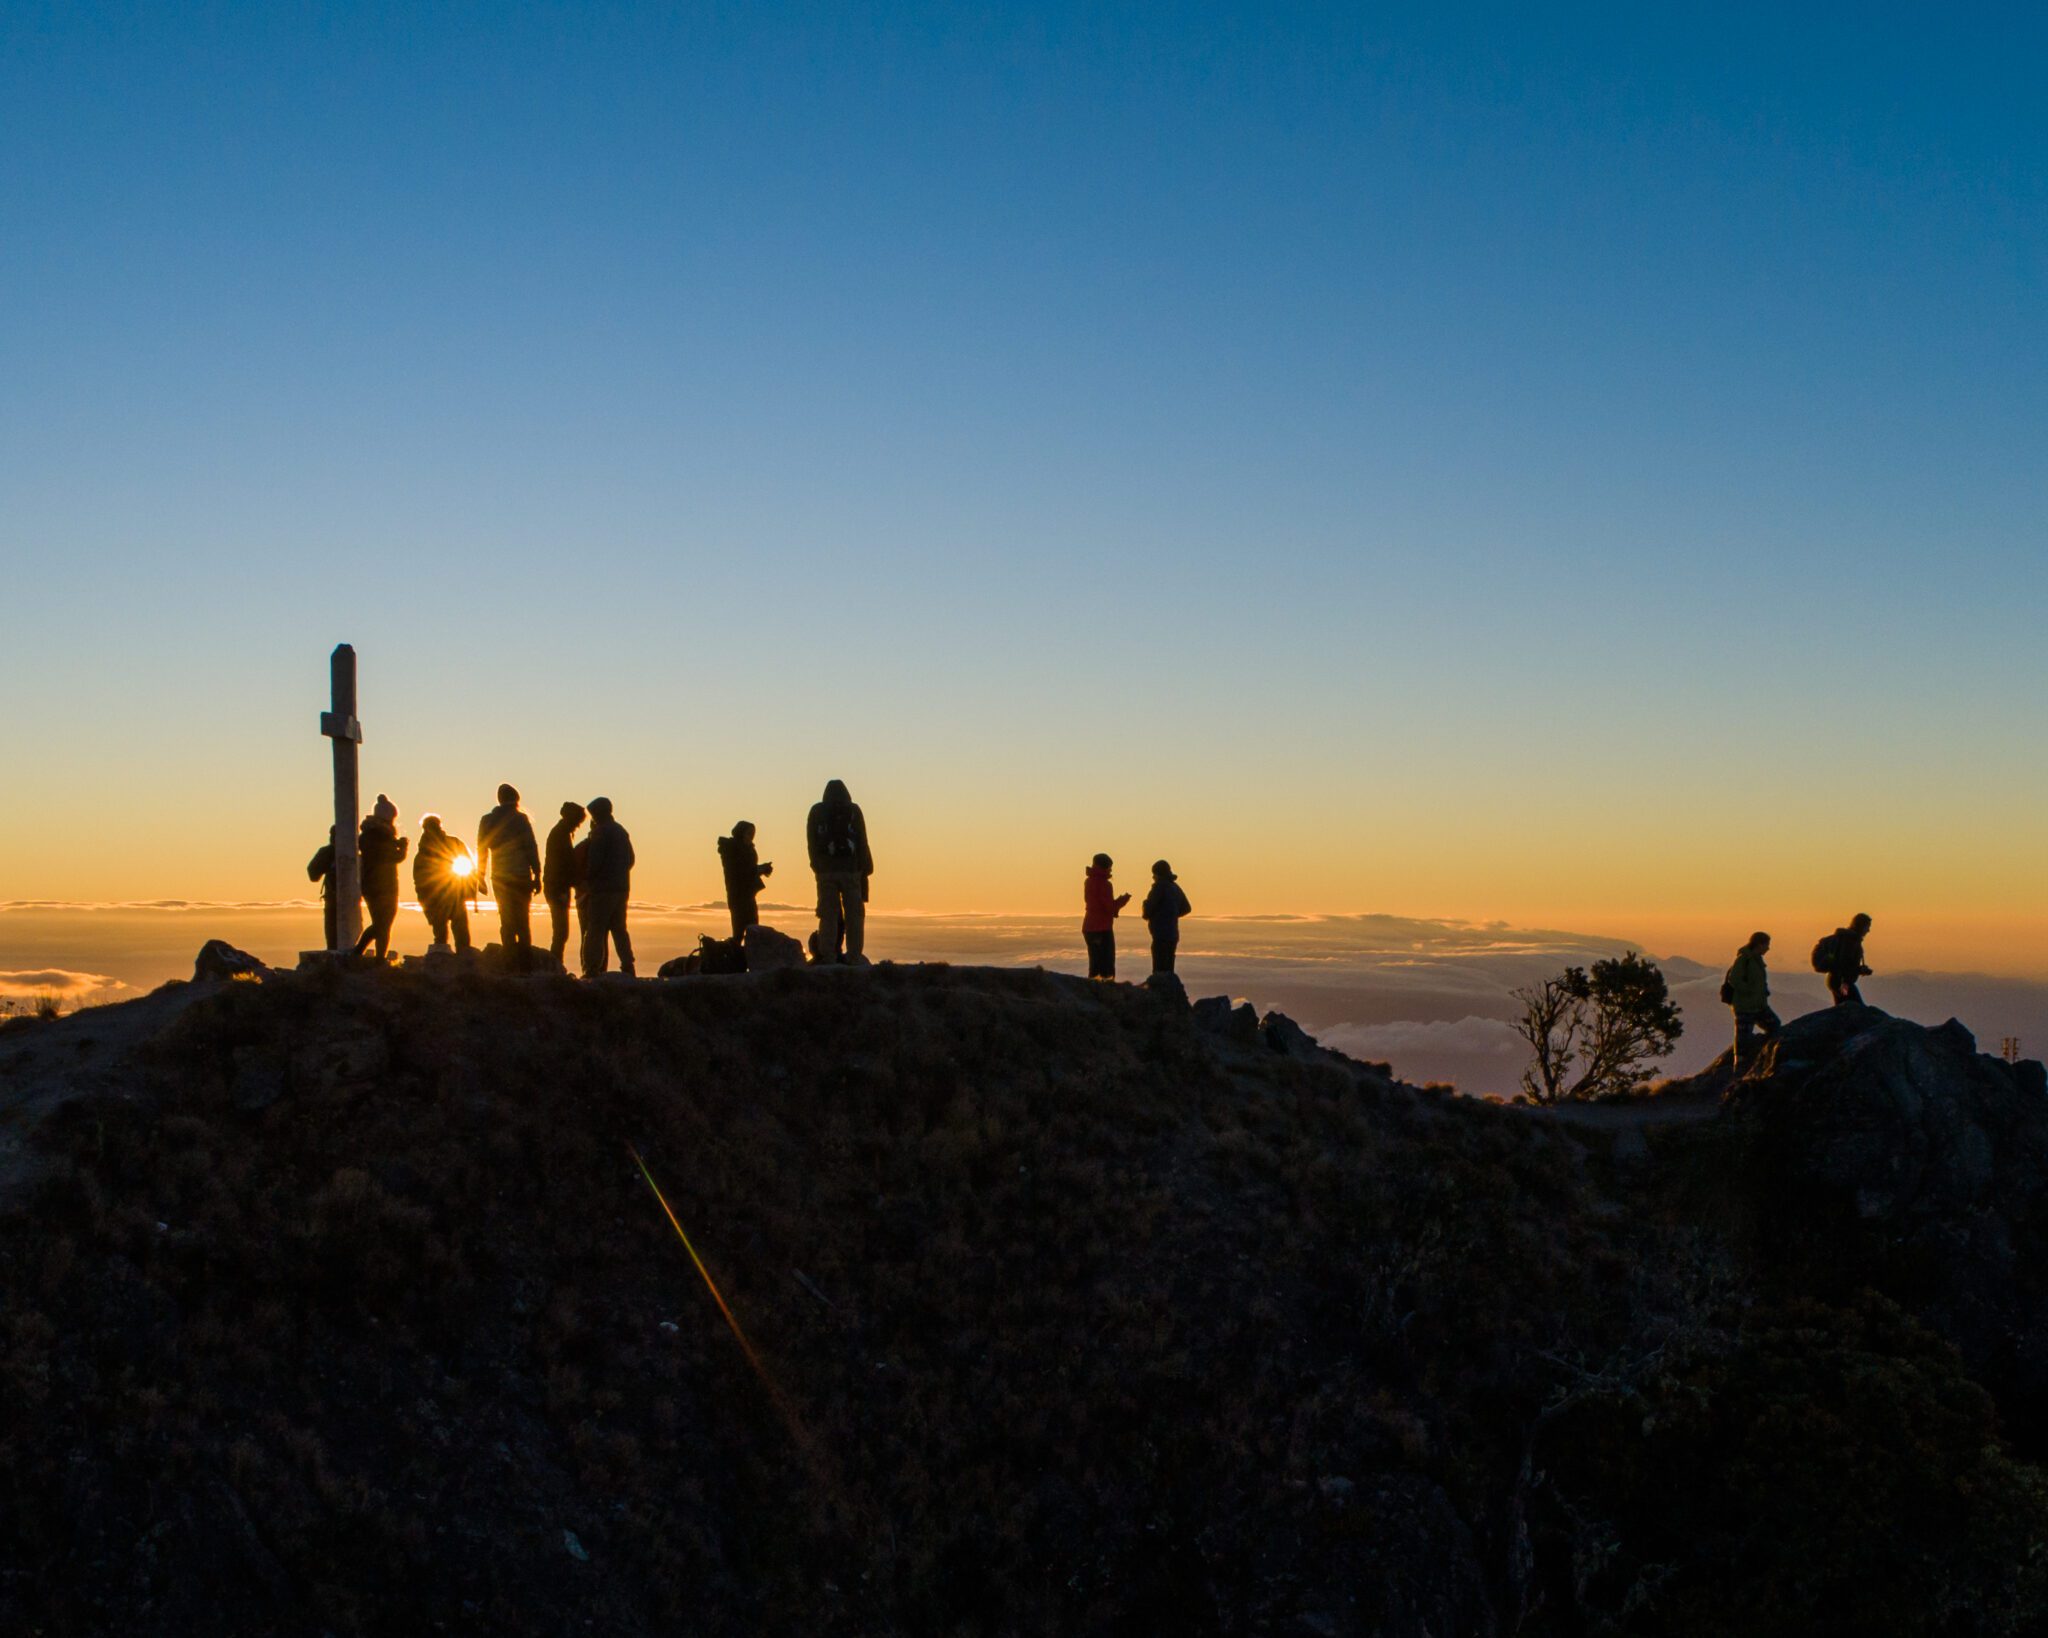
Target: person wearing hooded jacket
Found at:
837, 832
608, 879
508, 855
1841, 960
1101, 906
744, 876
1162, 910
438, 886
560, 872
381, 849
1747, 991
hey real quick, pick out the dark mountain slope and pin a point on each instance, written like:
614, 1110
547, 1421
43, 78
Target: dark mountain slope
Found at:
339, 1305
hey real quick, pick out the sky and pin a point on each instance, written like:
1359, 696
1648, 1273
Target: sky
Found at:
1573, 465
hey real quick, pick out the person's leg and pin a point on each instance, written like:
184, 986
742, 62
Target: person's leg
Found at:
622, 939
1109, 954
327, 919
558, 924
593, 934
856, 919
383, 912
1164, 945
437, 922
458, 922
1101, 963
828, 916
1744, 1023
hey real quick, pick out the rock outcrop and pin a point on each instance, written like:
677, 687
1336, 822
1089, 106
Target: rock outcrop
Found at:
1881, 1151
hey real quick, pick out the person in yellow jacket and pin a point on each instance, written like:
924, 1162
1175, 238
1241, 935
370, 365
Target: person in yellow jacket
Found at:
1747, 990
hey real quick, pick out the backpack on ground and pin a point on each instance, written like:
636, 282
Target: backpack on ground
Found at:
1824, 955
720, 955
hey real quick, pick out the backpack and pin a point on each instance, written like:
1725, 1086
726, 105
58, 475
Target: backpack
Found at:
720, 955
1727, 993
1824, 955
838, 828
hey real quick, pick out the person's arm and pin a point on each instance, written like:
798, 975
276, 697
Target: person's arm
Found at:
404, 842
483, 849
860, 829
1117, 904
532, 858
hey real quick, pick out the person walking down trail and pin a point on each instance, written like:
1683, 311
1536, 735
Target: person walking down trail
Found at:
1098, 924
320, 868
441, 874
1162, 910
382, 849
840, 859
507, 852
744, 876
1840, 957
558, 875
1747, 991
608, 878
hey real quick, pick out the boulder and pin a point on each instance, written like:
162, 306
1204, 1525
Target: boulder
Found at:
1168, 987
220, 959
1284, 1036
1214, 1015
768, 951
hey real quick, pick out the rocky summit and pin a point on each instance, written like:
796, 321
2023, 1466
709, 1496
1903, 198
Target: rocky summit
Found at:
340, 1302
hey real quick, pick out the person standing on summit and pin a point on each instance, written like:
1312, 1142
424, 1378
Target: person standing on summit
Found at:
838, 836
1162, 910
607, 882
381, 849
558, 873
745, 875
1101, 905
507, 853
1840, 957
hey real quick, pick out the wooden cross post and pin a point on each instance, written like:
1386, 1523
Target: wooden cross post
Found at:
340, 725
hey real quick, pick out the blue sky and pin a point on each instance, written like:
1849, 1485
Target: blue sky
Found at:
1018, 402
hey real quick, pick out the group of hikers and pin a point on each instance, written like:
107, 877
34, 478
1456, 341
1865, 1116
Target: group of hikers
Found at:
594, 875
1746, 991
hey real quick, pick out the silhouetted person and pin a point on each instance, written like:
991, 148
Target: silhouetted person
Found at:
558, 874
744, 875
507, 852
320, 868
838, 835
1162, 910
381, 849
608, 877
1840, 956
1747, 991
1098, 924
441, 887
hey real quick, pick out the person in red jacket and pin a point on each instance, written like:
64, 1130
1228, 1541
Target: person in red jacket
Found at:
1098, 926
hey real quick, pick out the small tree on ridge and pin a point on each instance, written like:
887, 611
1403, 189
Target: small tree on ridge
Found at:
1594, 1033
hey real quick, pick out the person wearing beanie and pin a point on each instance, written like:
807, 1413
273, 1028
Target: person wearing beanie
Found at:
1102, 904
744, 876
607, 882
1747, 992
558, 876
1162, 910
508, 855
381, 849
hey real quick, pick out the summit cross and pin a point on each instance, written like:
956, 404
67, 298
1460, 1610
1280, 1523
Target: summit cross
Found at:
341, 726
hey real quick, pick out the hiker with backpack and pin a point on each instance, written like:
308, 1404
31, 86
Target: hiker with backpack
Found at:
320, 868
507, 853
838, 836
744, 877
1746, 991
1162, 910
1101, 905
1839, 957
